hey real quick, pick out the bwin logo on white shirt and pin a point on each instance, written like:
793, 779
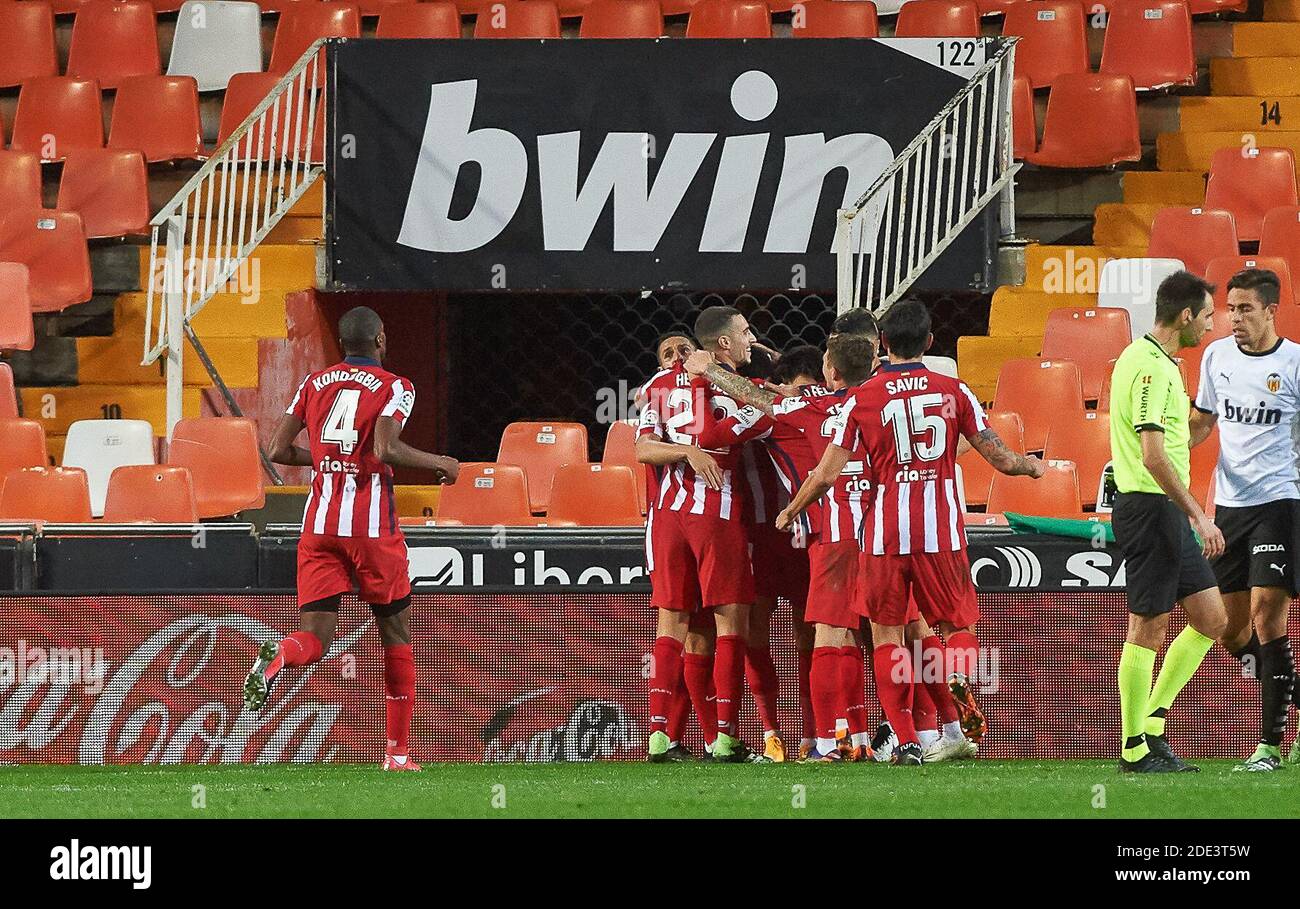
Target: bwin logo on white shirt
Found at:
76, 862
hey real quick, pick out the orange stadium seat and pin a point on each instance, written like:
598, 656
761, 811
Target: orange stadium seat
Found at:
1248, 182
977, 472
1040, 390
1085, 440
1280, 235
487, 494
594, 495
109, 188
1090, 337
27, 48
245, 92
1053, 39
1055, 493
52, 244
8, 397
620, 448
24, 445
1203, 461
1193, 235
996, 7
59, 495
16, 331
1222, 268
1024, 125
540, 449
302, 23
1150, 41
57, 114
113, 40
730, 19
20, 180
1091, 122
222, 456
372, 8
622, 19
140, 493
418, 20
836, 19
159, 117
938, 19
518, 19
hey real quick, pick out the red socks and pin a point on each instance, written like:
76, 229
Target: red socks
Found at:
934, 655
298, 649
826, 682
961, 654
805, 696
729, 680
893, 667
679, 710
923, 710
852, 672
667, 669
399, 691
698, 673
760, 672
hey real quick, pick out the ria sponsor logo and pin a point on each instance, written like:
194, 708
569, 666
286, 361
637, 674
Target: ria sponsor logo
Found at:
75, 862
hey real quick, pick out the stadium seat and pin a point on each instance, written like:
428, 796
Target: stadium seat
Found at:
1090, 337
730, 19
57, 114
372, 8
938, 19
1056, 493
995, 7
226, 39
8, 397
594, 495
101, 446
20, 180
138, 494
977, 473
109, 188
1053, 39
24, 445
418, 20
1203, 461
16, 332
487, 495
1085, 440
245, 92
944, 366
27, 48
1221, 269
1280, 235
158, 116
302, 23
1194, 236
55, 494
1150, 41
222, 455
1091, 122
622, 19
1024, 125
836, 19
1040, 390
518, 19
1130, 285
541, 448
52, 244
1248, 182
113, 40
620, 448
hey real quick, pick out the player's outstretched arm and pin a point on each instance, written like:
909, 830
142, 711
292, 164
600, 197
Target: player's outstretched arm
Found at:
393, 451
991, 447
658, 453
821, 479
701, 363
1201, 424
1157, 463
283, 451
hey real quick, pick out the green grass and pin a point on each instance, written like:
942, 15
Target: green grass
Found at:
633, 790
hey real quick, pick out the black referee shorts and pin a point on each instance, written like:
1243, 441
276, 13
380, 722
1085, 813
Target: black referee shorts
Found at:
1163, 561
1260, 545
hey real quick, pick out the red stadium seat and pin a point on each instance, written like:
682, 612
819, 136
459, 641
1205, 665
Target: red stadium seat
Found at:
1193, 235
20, 180
109, 188
620, 448
1204, 458
938, 19
222, 456
113, 40
835, 19
1150, 41
730, 19
1221, 269
57, 114
1090, 337
159, 117
485, 495
148, 493
977, 473
52, 244
8, 397
59, 495
371, 8
1041, 391
594, 495
24, 445
27, 48
622, 19
996, 7
418, 20
1248, 182
302, 23
245, 92
1024, 125
518, 19
1054, 39
1056, 493
540, 449
1280, 235
1091, 122
16, 332
1085, 440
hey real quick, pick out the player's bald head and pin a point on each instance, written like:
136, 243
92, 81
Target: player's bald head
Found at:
359, 331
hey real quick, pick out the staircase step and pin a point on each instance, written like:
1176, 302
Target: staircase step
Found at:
224, 316
1018, 313
1271, 76
297, 230
53, 361
1243, 113
1265, 39
980, 359
1193, 151
1071, 269
1164, 187
1124, 224
58, 408
282, 267
1282, 10
104, 361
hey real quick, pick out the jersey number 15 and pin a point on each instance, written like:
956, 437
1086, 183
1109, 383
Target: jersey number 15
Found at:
916, 433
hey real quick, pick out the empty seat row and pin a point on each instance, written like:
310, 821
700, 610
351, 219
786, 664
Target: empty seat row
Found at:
580, 494
134, 494
107, 187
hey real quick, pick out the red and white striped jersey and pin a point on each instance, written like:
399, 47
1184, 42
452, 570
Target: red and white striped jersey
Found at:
351, 489
909, 420
813, 413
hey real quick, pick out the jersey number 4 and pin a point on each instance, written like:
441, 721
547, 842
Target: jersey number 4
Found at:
916, 433
340, 425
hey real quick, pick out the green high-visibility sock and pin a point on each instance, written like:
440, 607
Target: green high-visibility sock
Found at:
1136, 665
1182, 658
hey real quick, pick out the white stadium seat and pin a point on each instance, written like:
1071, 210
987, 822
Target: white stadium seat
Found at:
1131, 284
99, 446
944, 366
216, 39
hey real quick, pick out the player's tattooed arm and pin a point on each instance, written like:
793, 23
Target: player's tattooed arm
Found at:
701, 363
991, 447
817, 484
283, 451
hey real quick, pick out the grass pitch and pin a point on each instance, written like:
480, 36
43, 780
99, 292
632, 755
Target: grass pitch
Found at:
979, 789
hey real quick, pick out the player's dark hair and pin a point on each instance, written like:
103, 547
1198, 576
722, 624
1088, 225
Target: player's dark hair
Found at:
1181, 290
906, 328
1263, 282
852, 356
804, 360
677, 331
760, 365
712, 323
358, 329
857, 321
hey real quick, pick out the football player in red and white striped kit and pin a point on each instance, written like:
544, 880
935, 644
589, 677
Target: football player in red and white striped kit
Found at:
353, 413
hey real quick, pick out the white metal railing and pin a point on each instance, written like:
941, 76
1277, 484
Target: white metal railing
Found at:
927, 196
213, 224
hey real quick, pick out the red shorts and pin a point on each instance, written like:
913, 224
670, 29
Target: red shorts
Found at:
833, 584
938, 582
328, 566
780, 570
698, 559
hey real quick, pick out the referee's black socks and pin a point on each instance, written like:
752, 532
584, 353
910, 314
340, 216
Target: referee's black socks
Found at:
1248, 654
1276, 678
